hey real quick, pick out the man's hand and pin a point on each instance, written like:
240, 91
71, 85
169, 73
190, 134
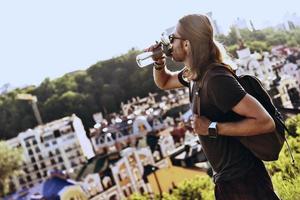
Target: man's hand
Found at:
200, 124
159, 58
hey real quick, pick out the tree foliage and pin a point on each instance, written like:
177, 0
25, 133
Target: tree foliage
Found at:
260, 40
198, 188
10, 162
285, 174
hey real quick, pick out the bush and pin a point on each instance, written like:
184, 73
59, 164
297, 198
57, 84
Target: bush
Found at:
199, 188
285, 175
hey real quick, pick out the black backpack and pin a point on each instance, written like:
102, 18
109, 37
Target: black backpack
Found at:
265, 146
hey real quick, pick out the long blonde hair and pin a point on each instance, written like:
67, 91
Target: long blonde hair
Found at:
205, 50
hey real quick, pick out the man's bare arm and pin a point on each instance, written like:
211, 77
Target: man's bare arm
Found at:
257, 119
165, 79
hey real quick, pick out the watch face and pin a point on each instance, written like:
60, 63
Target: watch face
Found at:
212, 132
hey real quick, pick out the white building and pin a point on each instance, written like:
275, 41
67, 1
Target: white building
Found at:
117, 175
117, 136
58, 145
289, 74
292, 70
248, 64
286, 84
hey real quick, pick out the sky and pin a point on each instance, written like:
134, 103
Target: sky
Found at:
49, 38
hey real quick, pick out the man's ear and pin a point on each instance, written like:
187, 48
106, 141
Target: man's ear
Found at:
187, 45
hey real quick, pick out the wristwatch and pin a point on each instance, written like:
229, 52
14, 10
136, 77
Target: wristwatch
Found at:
213, 130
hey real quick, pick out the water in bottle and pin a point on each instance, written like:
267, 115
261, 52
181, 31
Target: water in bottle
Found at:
146, 58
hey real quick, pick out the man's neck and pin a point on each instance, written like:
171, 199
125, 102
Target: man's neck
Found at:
188, 63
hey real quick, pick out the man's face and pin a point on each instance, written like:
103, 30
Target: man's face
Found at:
178, 51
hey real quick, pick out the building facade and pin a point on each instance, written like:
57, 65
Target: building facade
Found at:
58, 145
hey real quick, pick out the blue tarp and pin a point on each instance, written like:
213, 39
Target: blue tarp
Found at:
53, 186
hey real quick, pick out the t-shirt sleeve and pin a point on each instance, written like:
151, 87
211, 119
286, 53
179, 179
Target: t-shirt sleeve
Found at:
224, 91
181, 80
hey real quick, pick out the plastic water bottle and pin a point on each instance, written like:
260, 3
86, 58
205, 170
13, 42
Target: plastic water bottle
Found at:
146, 58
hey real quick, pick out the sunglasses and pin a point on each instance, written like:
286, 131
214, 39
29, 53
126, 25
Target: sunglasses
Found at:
172, 37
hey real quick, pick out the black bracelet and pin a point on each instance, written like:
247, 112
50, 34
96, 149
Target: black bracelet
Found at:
158, 66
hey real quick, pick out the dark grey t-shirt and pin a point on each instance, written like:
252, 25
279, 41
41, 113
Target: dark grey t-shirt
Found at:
226, 155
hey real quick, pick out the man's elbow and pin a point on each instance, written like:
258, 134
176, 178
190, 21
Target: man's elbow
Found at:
161, 86
269, 125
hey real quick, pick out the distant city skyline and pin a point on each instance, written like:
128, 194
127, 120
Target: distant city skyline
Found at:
49, 39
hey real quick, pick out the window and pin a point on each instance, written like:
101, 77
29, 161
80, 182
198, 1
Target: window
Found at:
43, 165
22, 181
113, 197
125, 193
73, 164
37, 149
35, 167
60, 159
27, 144
130, 190
39, 175
32, 159
28, 178
53, 161
68, 149
57, 151
26, 170
72, 127
142, 191
34, 142
57, 133
30, 152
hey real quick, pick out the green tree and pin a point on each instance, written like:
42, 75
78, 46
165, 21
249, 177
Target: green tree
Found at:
45, 90
277, 38
257, 46
293, 124
10, 163
285, 175
201, 187
232, 50
232, 37
198, 188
